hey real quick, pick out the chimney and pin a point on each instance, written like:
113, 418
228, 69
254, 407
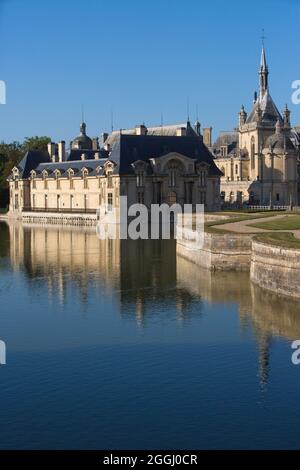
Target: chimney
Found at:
97, 156
181, 131
61, 151
95, 143
141, 130
52, 151
83, 156
207, 134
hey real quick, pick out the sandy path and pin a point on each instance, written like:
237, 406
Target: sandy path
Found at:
244, 226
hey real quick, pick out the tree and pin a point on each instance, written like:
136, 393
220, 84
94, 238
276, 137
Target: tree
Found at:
11, 155
35, 143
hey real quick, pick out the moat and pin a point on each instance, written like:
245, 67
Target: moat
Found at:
126, 345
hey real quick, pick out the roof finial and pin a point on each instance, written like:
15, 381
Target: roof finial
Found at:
188, 109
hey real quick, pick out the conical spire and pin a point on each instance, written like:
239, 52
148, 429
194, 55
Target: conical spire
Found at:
263, 73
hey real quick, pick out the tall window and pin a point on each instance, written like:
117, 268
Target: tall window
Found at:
109, 202
202, 178
57, 182
45, 182
252, 153
33, 183
140, 197
16, 184
140, 179
188, 192
109, 179
172, 178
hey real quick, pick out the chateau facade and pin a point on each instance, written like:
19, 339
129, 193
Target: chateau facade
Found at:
157, 165
259, 159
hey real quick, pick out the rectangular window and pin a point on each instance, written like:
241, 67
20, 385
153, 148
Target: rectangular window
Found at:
140, 180
71, 183
109, 181
85, 183
16, 184
202, 178
109, 202
140, 197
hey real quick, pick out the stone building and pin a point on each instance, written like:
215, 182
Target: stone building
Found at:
259, 158
157, 165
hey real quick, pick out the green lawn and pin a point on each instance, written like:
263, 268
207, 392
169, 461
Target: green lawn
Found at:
210, 226
288, 222
281, 239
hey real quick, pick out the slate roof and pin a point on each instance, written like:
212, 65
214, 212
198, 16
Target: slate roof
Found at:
126, 150
76, 166
270, 113
168, 130
31, 160
280, 141
231, 139
75, 155
130, 148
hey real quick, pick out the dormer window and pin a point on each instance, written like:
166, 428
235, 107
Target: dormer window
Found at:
57, 175
224, 150
45, 176
85, 180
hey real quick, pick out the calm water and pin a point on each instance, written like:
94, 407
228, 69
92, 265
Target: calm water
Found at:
123, 345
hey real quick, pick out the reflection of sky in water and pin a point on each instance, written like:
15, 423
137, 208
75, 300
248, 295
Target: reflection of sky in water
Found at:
115, 344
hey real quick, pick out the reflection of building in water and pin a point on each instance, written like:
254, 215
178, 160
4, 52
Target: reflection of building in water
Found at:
141, 274
148, 279
57, 253
269, 314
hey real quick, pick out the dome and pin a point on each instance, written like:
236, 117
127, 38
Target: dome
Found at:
279, 140
82, 142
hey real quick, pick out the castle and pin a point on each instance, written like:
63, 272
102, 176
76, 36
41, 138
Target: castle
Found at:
159, 165
259, 159
256, 164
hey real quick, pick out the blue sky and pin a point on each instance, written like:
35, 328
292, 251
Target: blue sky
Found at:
140, 59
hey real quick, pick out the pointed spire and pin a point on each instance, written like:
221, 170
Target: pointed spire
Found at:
263, 73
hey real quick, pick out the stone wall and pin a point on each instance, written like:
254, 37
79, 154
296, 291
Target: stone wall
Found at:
218, 253
276, 269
